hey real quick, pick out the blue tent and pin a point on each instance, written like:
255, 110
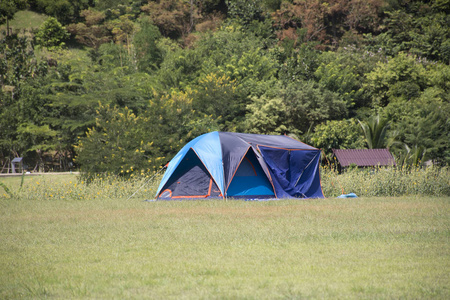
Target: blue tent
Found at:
242, 165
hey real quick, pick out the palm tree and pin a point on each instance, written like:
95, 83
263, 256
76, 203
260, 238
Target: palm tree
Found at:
375, 131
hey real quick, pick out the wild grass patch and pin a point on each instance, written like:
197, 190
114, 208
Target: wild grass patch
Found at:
382, 182
72, 187
431, 181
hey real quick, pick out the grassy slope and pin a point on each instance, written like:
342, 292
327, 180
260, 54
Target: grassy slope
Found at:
333, 248
25, 20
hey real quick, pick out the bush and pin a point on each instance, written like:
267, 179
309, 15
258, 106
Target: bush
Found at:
52, 34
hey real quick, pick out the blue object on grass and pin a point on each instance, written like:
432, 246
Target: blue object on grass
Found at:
351, 195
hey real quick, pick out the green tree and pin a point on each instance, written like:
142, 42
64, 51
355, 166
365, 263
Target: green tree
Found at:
64, 10
218, 96
337, 134
148, 54
375, 131
245, 12
123, 142
38, 138
118, 143
423, 125
304, 104
268, 116
416, 27
21, 76
402, 78
51, 34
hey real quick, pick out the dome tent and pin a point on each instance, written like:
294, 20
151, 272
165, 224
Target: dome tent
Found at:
242, 165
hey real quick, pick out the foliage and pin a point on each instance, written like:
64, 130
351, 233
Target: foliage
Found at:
402, 77
268, 116
148, 54
423, 126
219, 97
174, 18
21, 75
375, 131
305, 104
420, 28
92, 32
326, 21
117, 144
337, 134
306, 68
64, 10
123, 143
51, 34
245, 12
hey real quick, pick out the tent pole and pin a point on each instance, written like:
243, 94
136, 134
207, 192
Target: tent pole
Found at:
224, 191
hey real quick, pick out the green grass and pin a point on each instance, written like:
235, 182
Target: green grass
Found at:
379, 247
25, 20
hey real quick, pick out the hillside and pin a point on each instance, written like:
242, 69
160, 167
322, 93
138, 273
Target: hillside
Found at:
125, 84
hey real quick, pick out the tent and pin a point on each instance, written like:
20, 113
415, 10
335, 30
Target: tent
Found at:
242, 165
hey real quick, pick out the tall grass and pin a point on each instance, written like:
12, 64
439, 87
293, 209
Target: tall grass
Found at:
431, 181
72, 187
363, 182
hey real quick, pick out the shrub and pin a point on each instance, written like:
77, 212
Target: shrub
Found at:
52, 34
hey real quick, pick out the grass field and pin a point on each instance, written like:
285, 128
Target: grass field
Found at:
24, 20
368, 247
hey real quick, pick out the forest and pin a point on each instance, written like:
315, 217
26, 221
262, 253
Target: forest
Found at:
119, 86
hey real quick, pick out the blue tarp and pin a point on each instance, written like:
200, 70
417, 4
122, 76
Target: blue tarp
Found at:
243, 165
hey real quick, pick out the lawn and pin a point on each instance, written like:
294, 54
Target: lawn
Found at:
368, 247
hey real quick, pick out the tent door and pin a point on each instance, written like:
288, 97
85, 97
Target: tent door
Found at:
250, 180
190, 180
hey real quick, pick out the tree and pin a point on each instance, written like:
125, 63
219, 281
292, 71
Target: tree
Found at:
148, 54
93, 32
375, 131
218, 96
38, 138
337, 134
402, 78
268, 116
174, 18
118, 143
64, 10
304, 104
416, 27
245, 12
423, 125
51, 34
21, 75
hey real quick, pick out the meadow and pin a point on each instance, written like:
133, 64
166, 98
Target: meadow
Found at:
69, 239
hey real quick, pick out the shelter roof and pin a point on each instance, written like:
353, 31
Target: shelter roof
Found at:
364, 157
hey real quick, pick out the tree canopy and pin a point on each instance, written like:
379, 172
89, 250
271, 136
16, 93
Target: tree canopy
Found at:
116, 86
